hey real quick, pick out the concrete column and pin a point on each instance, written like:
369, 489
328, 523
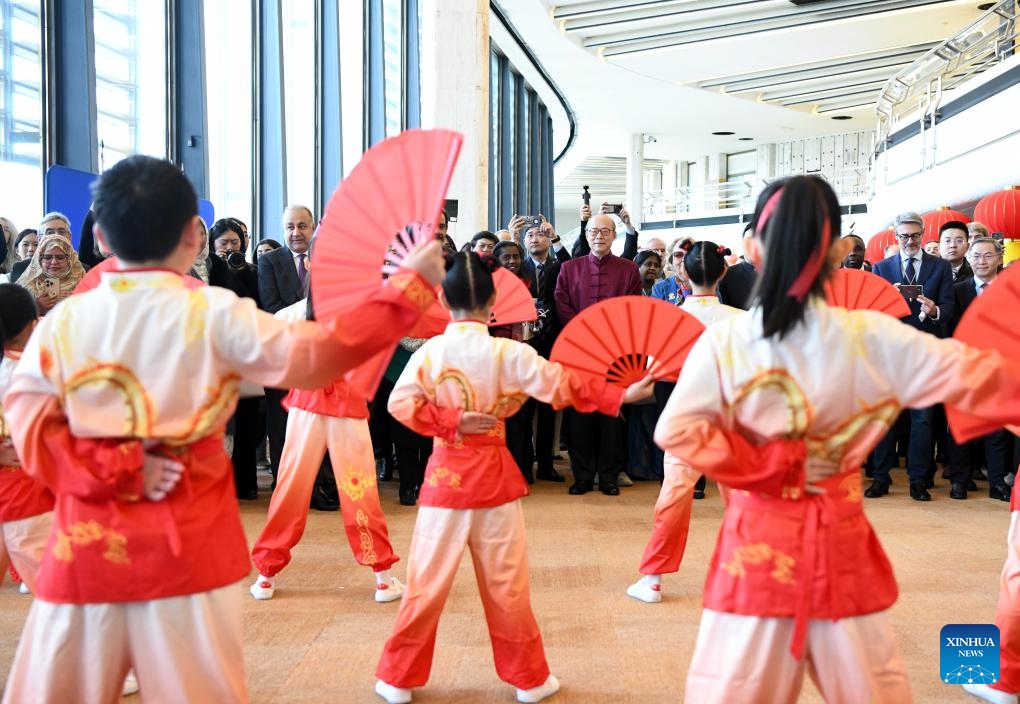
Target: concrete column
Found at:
635, 179
455, 95
766, 162
716, 174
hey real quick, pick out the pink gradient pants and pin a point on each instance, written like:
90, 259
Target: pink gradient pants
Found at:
182, 649
1007, 612
22, 543
350, 449
747, 660
672, 520
496, 539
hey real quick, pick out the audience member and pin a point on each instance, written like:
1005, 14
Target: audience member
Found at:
953, 248
855, 256
483, 243
52, 273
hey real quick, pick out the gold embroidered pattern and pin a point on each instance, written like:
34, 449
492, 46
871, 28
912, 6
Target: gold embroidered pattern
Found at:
759, 553
462, 383
122, 284
799, 410
368, 554
830, 446
354, 483
212, 412
84, 534
194, 323
138, 406
851, 486
435, 477
413, 288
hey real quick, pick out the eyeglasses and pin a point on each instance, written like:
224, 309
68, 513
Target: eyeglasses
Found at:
913, 237
59, 258
62, 231
604, 231
986, 257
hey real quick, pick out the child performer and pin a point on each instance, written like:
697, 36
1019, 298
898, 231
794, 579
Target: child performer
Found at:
119, 406
334, 417
785, 403
26, 507
705, 265
459, 387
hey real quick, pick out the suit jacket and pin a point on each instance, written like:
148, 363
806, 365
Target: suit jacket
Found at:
544, 293
964, 273
964, 293
18, 269
588, 280
737, 284
936, 277
279, 285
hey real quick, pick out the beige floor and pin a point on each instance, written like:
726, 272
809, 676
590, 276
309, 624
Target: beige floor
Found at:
320, 638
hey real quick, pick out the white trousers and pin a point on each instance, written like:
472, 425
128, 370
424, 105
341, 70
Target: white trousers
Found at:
184, 649
747, 660
22, 543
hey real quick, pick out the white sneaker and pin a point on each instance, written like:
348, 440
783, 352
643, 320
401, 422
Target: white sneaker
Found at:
24, 589
385, 593
983, 691
130, 685
393, 695
537, 694
650, 594
624, 480
263, 588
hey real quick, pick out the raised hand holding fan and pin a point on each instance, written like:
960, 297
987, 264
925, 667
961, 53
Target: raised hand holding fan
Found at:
625, 339
387, 206
855, 289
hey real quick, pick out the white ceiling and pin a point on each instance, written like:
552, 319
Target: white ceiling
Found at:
655, 90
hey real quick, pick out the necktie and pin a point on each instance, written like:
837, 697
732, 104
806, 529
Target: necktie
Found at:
981, 288
539, 270
908, 271
302, 270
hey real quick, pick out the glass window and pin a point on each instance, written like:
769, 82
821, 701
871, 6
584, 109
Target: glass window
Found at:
21, 112
130, 79
299, 99
228, 30
392, 64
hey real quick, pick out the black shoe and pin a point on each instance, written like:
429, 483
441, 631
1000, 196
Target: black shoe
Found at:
971, 486
609, 488
548, 474
877, 489
248, 495
529, 479
958, 491
321, 501
408, 497
384, 469
999, 493
929, 483
699, 494
919, 492
578, 488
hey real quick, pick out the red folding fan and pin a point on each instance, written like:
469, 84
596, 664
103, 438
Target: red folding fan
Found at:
624, 339
388, 205
983, 326
855, 289
514, 304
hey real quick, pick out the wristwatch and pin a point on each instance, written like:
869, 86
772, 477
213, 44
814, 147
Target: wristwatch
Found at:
555, 240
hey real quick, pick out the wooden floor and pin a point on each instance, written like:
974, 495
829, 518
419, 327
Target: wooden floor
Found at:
319, 639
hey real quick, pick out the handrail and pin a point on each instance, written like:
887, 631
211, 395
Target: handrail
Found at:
978, 46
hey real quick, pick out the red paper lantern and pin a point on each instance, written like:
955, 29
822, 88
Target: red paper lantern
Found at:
1001, 212
874, 252
936, 219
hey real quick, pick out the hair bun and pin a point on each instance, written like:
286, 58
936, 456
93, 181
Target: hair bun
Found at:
490, 264
687, 245
723, 251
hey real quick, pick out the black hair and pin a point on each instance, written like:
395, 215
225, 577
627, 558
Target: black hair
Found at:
954, 225
484, 235
222, 226
23, 234
142, 205
856, 237
270, 241
506, 244
17, 311
646, 254
790, 236
705, 262
468, 282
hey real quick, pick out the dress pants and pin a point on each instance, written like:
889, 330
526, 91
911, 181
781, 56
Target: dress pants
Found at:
919, 454
518, 442
496, 539
276, 426
246, 440
309, 435
182, 649
747, 660
597, 446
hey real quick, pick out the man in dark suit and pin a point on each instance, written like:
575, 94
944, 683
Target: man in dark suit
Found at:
930, 312
985, 256
540, 269
953, 248
283, 277
738, 282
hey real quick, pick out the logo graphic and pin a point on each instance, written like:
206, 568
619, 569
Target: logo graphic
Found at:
969, 653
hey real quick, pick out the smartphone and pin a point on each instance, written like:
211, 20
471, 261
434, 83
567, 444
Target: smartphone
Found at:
615, 208
531, 221
911, 291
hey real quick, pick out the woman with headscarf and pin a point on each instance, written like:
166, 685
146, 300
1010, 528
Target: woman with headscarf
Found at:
8, 252
53, 272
